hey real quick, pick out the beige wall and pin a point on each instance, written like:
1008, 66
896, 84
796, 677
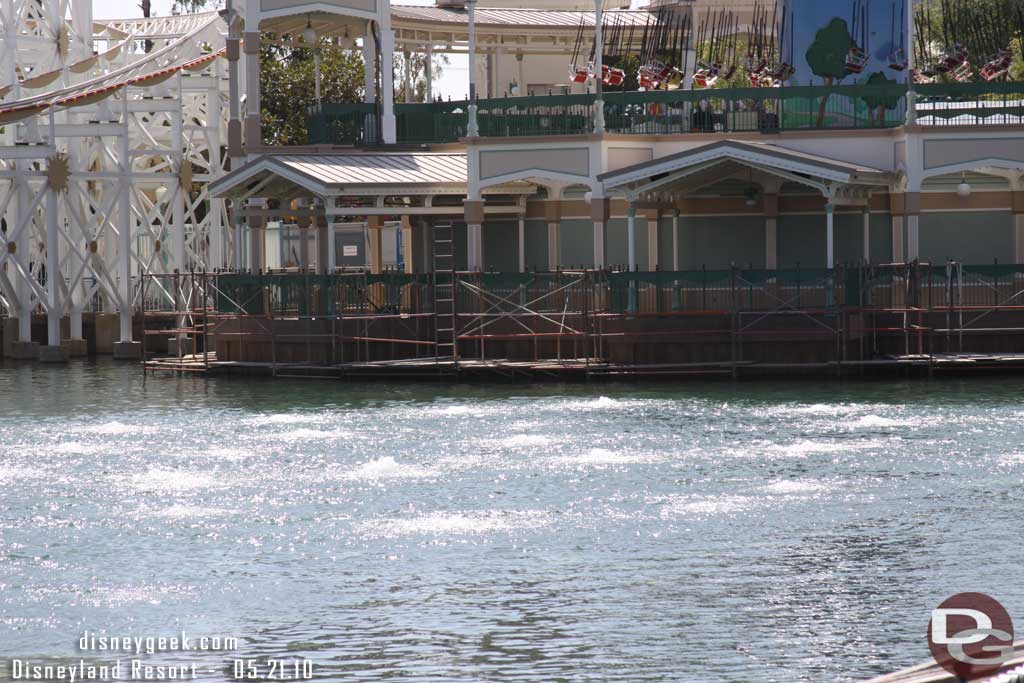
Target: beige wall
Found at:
361, 5
954, 151
573, 161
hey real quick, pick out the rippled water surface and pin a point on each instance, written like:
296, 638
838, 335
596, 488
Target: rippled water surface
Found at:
705, 532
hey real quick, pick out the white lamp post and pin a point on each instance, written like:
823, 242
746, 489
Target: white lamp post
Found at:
309, 38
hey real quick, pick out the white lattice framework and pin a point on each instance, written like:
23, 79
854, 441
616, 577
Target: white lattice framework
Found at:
110, 135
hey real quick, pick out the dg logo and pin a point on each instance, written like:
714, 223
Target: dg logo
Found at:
971, 635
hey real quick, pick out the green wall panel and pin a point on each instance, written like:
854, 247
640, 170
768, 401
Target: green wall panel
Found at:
501, 246
802, 241
536, 245
968, 237
721, 241
577, 243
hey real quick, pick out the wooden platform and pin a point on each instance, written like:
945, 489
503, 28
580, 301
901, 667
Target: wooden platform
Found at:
587, 369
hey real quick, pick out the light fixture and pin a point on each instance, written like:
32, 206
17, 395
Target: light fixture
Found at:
964, 188
346, 42
160, 192
751, 194
588, 197
308, 34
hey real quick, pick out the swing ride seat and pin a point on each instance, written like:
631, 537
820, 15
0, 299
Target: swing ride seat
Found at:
963, 73
856, 60
612, 76
955, 57
997, 66
898, 60
579, 74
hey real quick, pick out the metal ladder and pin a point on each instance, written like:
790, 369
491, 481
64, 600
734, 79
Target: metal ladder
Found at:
444, 292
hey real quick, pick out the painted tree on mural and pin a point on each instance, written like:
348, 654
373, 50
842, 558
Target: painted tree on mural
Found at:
827, 57
879, 104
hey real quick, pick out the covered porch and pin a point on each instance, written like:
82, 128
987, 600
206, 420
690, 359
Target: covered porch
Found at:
371, 212
754, 181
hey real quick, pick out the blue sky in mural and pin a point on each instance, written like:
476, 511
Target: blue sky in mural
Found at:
883, 34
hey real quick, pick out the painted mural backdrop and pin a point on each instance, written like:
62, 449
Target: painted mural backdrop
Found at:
848, 42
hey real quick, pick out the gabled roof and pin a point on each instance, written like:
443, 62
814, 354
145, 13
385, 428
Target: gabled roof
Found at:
334, 173
518, 17
763, 154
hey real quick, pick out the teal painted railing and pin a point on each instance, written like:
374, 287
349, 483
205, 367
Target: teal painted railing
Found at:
842, 107
545, 115
431, 121
755, 109
334, 123
970, 104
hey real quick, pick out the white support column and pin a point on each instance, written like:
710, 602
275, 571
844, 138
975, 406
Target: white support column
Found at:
428, 75
631, 237
387, 82
407, 77
473, 210
251, 44
554, 245
1018, 225
332, 252
178, 144
631, 254
215, 254
22, 246
521, 241
472, 126
898, 254
867, 234
234, 88
598, 68
771, 243
830, 239
369, 67
676, 241
911, 65
653, 260
770, 202
304, 224
408, 246
599, 244
54, 278
520, 62
475, 246
913, 236
124, 221
599, 214
239, 240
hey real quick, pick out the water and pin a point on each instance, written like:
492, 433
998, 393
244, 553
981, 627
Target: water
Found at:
706, 532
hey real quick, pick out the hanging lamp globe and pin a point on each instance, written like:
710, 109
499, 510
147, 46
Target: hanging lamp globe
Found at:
308, 34
964, 188
346, 42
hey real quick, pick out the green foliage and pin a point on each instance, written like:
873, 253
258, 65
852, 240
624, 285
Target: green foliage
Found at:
827, 54
193, 6
879, 104
414, 67
287, 88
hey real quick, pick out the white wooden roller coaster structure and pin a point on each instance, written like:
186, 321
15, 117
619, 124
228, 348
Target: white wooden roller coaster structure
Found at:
110, 133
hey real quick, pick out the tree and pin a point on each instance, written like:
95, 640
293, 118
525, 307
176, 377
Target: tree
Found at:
827, 57
192, 6
414, 67
287, 88
880, 103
